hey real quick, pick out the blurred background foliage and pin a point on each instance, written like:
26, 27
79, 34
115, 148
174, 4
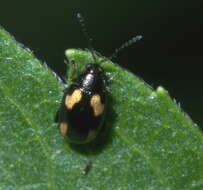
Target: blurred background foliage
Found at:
170, 53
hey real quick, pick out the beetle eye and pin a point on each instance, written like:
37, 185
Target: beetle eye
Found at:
100, 70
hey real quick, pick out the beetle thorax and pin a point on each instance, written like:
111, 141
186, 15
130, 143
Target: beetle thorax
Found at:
88, 80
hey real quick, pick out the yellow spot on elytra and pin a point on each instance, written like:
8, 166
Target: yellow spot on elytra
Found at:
63, 128
96, 104
73, 99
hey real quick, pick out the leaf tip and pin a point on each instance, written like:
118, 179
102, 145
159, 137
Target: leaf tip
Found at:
161, 91
69, 53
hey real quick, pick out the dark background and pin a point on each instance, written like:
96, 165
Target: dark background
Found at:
170, 53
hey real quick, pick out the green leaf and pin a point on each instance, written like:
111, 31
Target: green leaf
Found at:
147, 142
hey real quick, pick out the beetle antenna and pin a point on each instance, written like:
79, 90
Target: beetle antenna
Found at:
85, 33
125, 45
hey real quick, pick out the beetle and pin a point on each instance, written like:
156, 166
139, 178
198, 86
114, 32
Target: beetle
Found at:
82, 111
83, 105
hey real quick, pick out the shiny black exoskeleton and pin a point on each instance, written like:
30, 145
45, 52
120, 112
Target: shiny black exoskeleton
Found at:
82, 109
